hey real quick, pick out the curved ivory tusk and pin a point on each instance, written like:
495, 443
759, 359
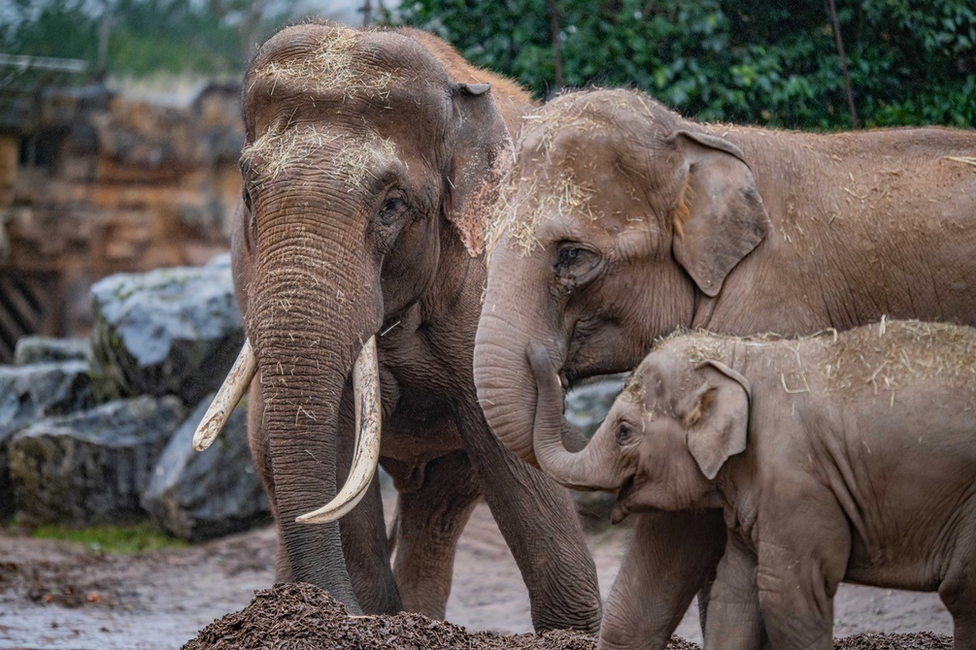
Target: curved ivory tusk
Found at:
227, 397
366, 454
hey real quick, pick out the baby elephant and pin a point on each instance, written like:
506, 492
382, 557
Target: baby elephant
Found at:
839, 457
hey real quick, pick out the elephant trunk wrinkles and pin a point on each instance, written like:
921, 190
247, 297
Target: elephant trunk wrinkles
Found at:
306, 344
592, 468
506, 388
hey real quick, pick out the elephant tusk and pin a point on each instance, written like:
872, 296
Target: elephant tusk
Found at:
366, 454
227, 397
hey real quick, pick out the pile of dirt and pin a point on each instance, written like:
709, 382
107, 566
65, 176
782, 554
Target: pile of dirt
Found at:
913, 641
303, 617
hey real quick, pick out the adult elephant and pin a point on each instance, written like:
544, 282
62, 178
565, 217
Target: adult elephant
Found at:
622, 221
367, 161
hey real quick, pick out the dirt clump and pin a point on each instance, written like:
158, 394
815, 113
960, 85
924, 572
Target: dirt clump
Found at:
913, 641
302, 616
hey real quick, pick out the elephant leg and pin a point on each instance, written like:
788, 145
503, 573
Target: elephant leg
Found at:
958, 589
363, 531
429, 523
669, 558
258, 442
802, 559
734, 621
538, 520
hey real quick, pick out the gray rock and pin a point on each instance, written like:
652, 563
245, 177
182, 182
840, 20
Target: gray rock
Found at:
44, 349
91, 467
167, 332
31, 392
586, 407
587, 404
199, 495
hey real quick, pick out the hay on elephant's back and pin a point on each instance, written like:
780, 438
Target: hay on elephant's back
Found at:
892, 354
302, 616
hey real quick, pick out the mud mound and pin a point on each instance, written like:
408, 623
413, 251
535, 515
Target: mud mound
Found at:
303, 617
913, 641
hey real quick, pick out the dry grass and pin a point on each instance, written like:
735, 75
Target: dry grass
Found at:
885, 356
891, 355
331, 66
542, 183
524, 202
279, 150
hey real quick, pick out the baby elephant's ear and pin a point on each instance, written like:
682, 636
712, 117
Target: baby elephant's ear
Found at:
718, 421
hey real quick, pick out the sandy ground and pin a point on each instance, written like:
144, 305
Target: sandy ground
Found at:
57, 596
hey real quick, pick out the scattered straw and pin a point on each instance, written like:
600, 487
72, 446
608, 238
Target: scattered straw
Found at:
542, 182
884, 356
966, 160
894, 354
523, 203
331, 66
278, 151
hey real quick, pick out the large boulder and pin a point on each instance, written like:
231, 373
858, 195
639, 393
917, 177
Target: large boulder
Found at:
199, 495
167, 332
91, 467
588, 403
31, 392
45, 349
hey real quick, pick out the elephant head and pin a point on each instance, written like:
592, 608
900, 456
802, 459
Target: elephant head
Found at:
363, 155
616, 221
664, 440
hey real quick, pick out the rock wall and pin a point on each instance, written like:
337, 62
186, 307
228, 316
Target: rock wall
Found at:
93, 184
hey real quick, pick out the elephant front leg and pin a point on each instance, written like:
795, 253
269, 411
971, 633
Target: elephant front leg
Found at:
734, 621
538, 520
429, 522
669, 559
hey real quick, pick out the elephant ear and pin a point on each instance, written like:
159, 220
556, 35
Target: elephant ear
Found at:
720, 216
718, 420
481, 138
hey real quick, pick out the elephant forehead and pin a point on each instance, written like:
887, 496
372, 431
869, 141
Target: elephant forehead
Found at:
354, 157
524, 202
322, 58
329, 61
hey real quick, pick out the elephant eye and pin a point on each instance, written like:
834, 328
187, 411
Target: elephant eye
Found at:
393, 208
567, 255
575, 266
623, 433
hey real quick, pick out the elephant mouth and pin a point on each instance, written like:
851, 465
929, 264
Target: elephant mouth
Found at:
620, 508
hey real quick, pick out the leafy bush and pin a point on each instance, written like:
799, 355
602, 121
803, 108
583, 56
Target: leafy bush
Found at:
767, 62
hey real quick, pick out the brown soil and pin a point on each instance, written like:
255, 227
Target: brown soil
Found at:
57, 596
304, 616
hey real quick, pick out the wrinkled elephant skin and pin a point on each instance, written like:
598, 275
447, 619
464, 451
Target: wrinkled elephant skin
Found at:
802, 444
367, 162
621, 221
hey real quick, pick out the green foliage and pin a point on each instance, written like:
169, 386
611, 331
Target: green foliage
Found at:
769, 62
122, 539
146, 37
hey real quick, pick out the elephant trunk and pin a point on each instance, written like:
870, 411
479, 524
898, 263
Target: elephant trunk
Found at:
506, 387
592, 468
306, 338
